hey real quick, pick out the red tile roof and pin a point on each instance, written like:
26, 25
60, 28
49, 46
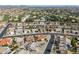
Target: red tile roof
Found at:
5, 41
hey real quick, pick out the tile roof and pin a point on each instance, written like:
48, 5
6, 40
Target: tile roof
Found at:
5, 41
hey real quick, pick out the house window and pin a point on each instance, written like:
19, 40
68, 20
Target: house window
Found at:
67, 31
76, 32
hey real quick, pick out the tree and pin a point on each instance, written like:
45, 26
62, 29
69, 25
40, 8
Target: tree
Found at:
14, 45
6, 18
73, 43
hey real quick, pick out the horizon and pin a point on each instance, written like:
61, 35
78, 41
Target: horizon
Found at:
39, 6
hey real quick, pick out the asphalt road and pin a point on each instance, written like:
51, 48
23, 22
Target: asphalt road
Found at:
4, 30
49, 46
29, 34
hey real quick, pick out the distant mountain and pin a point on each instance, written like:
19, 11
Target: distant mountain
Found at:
40, 6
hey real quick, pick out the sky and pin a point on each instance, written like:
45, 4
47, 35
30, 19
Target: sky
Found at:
39, 2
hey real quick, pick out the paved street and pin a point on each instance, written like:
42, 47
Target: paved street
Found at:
4, 30
28, 34
49, 46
